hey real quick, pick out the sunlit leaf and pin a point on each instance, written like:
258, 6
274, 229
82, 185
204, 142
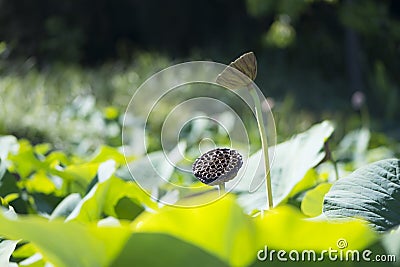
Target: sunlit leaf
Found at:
67, 244
140, 251
56, 158
25, 251
235, 237
42, 149
225, 231
25, 162
309, 180
293, 159
40, 182
120, 190
286, 228
313, 200
60, 243
82, 173
104, 197
6, 249
77, 176
105, 153
10, 197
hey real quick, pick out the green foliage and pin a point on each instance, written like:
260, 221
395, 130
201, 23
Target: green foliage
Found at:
291, 161
76, 109
110, 198
78, 211
281, 34
67, 244
67, 197
371, 193
232, 239
313, 200
6, 249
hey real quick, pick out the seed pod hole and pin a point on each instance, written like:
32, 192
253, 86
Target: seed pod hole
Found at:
217, 166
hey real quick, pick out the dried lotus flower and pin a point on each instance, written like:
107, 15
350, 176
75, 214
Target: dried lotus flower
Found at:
217, 166
240, 73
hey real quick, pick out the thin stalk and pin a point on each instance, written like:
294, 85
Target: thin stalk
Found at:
329, 157
335, 168
264, 143
221, 187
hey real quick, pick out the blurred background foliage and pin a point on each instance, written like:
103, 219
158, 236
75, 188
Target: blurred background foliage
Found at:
64, 64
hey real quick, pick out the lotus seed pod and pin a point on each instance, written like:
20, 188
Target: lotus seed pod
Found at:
217, 166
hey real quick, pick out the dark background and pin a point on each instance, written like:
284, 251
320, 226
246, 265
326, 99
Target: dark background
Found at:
333, 49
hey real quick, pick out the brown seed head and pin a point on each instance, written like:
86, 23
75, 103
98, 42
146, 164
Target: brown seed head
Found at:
217, 166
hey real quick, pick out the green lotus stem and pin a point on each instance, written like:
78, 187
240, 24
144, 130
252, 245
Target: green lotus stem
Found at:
336, 169
329, 157
221, 188
264, 142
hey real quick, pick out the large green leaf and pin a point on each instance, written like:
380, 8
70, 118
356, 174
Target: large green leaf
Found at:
73, 244
218, 234
223, 230
156, 168
313, 200
160, 250
354, 146
105, 153
24, 251
76, 176
28, 164
25, 162
105, 198
371, 193
220, 228
67, 244
292, 159
367, 257
286, 228
41, 183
